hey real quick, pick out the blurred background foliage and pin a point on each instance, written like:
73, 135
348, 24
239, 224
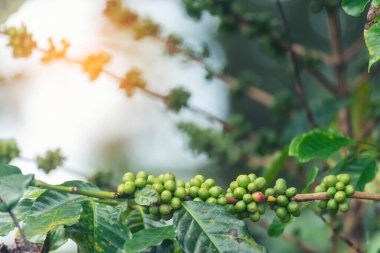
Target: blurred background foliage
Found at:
265, 110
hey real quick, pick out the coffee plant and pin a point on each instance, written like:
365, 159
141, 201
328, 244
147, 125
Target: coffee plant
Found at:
307, 161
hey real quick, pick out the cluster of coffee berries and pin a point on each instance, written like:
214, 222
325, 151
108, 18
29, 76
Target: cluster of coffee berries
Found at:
21, 41
248, 191
8, 151
51, 160
279, 199
201, 189
171, 191
338, 189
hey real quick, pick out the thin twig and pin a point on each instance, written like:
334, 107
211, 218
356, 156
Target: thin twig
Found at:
17, 224
293, 240
354, 49
298, 82
340, 235
339, 68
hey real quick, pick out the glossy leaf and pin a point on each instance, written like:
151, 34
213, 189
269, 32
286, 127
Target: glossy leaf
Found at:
372, 38
53, 209
204, 227
20, 211
138, 220
354, 7
7, 170
12, 188
146, 197
146, 238
363, 169
310, 178
94, 233
318, 143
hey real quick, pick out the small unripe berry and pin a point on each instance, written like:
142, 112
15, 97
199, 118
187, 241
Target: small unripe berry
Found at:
180, 193
155, 217
195, 182
203, 193
200, 178
287, 218
180, 183
255, 217
193, 192
339, 186
151, 179
331, 192
230, 195
322, 204
291, 192
198, 200
281, 212
129, 176
282, 200
166, 196
142, 174
247, 198
280, 189
215, 191
243, 181
176, 203
167, 217
350, 190
252, 187
344, 207
252, 207
168, 176
293, 207
211, 200
164, 209
158, 188
231, 208
170, 185
233, 185
240, 206
210, 182
222, 201
252, 177
120, 189
345, 179
258, 197
319, 188
129, 187
269, 192
280, 181
261, 208
340, 196
140, 182
330, 180
204, 185
332, 205
239, 192
154, 210
260, 183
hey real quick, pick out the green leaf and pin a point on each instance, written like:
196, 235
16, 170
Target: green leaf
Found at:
138, 220
57, 238
146, 197
12, 188
118, 212
7, 170
318, 143
21, 210
149, 237
53, 209
372, 39
8, 7
203, 227
363, 169
277, 227
310, 178
354, 7
94, 233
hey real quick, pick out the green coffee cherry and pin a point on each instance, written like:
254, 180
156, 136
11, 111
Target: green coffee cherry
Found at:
215, 191
252, 177
252, 207
201, 178
164, 209
293, 207
129, 176
331, 192
243, 181
269, 192
247, 198
322, 204
291, 192
176, 203
319, 188
260, 183
281, 213
120, 189
129, 187
340, 196
339, 186
158, 188
345, 179
170, 185
154, 210
168, 176
332, 205
180, 183
280, 189
195, 182
240, 206
349, 190
142, 174
330, 180
210, 182
252, 187
233, 185
282, 200
211, 200
140, 182
255, 217
344, 206
203, 193
222, 201
166, 196
261, 208
180, 193
239, 192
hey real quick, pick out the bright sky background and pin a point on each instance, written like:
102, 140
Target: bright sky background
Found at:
56, 106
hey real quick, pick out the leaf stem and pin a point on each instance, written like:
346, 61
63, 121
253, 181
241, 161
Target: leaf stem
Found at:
75, 190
